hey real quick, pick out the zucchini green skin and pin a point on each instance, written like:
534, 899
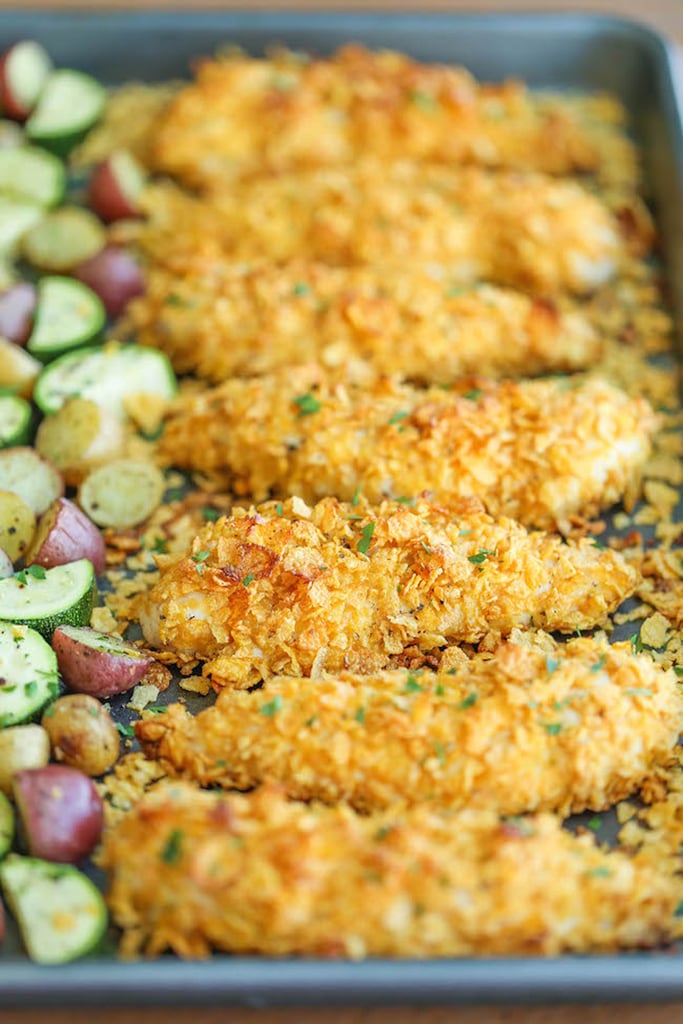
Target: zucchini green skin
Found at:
17, 411
84, 333
69, 131
61, 914
28, 667
17, 167
7, 825
44, 618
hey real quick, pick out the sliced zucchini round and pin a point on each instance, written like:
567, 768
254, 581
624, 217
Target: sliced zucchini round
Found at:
61, 914
46, 598
70, 104
15, 220
31, 174
7, 825
15, 420
68, 315
108, 375
63, 239
28, 668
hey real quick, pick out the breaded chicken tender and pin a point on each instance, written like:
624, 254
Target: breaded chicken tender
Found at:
538, 451
244, 115
521, 730
237, 320
292, 590
192, 871
531, 232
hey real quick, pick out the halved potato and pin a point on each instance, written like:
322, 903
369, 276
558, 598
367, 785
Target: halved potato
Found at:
65, 534
18, 369
17, 306
82, 733
123, 493
80, 436
21, 746
61, 812
63, 239
115, 275
96, 663
26, 473
17, 524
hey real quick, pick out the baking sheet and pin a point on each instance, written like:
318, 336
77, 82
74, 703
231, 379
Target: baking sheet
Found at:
571, 51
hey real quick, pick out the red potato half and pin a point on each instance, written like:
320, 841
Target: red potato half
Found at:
96, 663
65, 534
26, 473
17, 306
60, 811
114, 275
115, 187
24, 69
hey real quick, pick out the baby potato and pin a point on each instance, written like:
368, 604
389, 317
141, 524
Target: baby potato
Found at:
82, 733
17, 524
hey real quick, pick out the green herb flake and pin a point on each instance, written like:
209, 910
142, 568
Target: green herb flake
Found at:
439, 751
403, 500
597, 543
125, 730
601, 872
174, 494
177, 300
599, 664
172, 847
412, 685
36, 571
249, 578
456, 290
424, 100
366, 535
272, 707
552, 728
210, 515
356, 496
595, 823
551, 664
480, 556
426, 546
200, 556
468, 702
383, 832
301, 288
678, 912
307, 404
638, 691
397, 417
439, 689
360, 715
278, 509
31, 688
636, 643
474, 395
678, 669
311, 721
160, 546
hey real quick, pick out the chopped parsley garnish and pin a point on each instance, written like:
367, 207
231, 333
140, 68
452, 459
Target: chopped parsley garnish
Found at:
601, 872
174, 494
638, 691
468, 701
636, 643
599, 664
301, 288
356, 496
177, 300
171, 851
551, 664
249, 578
160, 546
124, 730
480, 556
311, 721
272, 707
426, 546
35, 571
678, 669
360, 715
595, 823
383, 832
307, 404
397, 417
403, 500
366, 538
439, 689
278, 509
412, 685
474, 395
424, 100
210, 515
456, 290
552, 728
678, 912
597, 543
200, 556
439, 751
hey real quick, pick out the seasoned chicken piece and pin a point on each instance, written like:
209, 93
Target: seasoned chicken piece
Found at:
236, 320
192, 871
522, 730
526, 231
244, 115
538, 451
292, 590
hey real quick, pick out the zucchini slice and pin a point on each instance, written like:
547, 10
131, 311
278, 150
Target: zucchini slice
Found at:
15, 420
69, 105
63, 239
31, 174
28, 668
68, 315
108, 375
61, 914
7, 825
15, 220
46, 598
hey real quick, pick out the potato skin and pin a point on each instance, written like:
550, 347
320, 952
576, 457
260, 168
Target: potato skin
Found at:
64, 535
17, 306
21, 747
100, 673
114, 275
61, 812
115, 186
82, 734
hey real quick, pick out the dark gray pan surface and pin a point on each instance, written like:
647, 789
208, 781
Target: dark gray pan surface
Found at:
572, 51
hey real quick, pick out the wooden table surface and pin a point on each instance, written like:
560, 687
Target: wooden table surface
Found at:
667, 16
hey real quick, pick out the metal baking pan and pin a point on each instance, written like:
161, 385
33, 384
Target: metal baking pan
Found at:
560, 51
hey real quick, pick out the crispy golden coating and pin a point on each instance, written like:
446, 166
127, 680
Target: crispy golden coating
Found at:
537, 451
290, 590
527, 231
522, 730
237, 320
192, 871
243, 116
